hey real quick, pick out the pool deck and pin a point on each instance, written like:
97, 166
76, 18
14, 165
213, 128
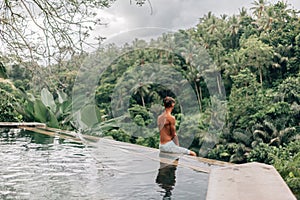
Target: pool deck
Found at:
18, 124
250, 181
64, 134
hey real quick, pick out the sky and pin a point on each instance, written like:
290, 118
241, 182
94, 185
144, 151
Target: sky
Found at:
166, 15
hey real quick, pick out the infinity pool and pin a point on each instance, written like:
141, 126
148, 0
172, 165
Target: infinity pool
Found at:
35, 166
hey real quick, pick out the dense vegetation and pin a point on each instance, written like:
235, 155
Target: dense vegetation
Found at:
253, 114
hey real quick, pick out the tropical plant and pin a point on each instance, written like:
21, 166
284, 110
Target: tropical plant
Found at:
55, 113
8, 104
142, 90
230, 152
245, 99
269, 134
140, 114
3, 73
255, 54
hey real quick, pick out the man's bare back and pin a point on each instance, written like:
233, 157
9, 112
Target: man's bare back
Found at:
166, 125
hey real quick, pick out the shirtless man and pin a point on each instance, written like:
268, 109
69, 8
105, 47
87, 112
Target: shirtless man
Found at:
166, 124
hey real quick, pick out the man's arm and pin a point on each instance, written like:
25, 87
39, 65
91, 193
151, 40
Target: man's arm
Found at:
175, 140
173, 130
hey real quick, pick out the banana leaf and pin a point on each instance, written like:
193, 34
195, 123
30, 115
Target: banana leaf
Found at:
44, 114
90, 115
48, 100
40, 111
62, 97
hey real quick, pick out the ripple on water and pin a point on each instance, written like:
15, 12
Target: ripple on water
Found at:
46, 171
38, 167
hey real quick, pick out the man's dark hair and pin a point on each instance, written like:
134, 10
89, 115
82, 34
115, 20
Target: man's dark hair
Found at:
168, 102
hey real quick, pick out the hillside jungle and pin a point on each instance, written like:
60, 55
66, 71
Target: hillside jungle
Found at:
253, 113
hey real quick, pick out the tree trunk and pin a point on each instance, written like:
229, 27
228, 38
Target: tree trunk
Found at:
260, 76
143, 101
219, 83
199, 95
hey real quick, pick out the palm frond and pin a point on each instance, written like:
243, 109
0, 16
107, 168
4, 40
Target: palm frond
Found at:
257, 126
287, 133
256, 142
275, 142
270, 128
242, 137
261, 134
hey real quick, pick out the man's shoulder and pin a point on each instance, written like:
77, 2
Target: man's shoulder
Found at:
170, 118
167, 117
160, 116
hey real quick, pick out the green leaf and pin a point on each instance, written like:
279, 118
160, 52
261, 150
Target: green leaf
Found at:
40, 111
52, 120
224, 154
44, 114
62, 97
65, 108
47, 99
90, 115
2, 71
291, 175
29, 108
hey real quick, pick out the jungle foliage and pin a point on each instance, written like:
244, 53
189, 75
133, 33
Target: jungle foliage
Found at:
251, 61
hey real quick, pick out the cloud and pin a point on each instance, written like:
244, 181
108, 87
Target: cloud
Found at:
167, 14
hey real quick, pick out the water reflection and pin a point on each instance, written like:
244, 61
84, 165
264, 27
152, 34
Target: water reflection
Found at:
166, 177
34, 166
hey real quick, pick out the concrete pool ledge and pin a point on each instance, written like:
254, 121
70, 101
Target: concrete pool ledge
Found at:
18, 124
250, 181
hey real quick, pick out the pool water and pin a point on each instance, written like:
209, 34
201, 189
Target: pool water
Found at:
36, 166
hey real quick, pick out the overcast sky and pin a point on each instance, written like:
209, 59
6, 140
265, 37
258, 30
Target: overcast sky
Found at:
167, 14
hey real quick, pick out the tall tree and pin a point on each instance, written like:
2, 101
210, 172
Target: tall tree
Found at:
47, 29
141, 89
258, 8
254, 53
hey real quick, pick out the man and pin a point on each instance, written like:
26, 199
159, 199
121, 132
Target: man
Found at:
166, 124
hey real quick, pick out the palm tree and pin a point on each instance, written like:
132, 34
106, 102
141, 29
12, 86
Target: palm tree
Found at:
264, 23
137, 43
259, 8
255, 53
268, 133
243, 12
141, 89
232, 64
192, 53
269, 18
168, 45
213, 25
234, 25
